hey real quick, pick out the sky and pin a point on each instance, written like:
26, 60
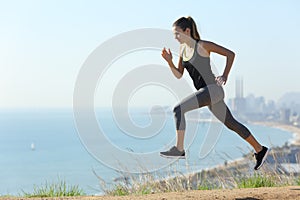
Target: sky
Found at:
45, 43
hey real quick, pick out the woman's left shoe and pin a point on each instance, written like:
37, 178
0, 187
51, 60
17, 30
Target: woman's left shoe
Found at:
261, 157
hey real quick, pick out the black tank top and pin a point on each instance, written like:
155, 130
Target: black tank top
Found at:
200, 70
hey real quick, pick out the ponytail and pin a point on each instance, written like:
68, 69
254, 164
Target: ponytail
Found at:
194, 32
188, 22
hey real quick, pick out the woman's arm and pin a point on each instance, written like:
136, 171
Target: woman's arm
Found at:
177, 71
212, 47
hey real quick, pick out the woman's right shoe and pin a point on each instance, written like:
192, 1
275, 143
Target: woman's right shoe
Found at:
173, 153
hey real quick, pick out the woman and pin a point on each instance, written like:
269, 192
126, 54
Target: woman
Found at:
195, 58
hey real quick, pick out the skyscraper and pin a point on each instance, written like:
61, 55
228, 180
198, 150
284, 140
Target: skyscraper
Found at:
239, 87
239, 103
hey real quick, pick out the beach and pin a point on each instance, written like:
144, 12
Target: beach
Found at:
287, 127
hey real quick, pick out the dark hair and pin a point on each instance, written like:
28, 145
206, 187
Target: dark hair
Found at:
188, 22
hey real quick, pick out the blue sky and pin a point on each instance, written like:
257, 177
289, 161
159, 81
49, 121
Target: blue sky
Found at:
44, 43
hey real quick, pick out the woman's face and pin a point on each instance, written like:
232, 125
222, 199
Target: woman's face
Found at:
180, 35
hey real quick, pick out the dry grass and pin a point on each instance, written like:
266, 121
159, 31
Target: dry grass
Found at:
232, 175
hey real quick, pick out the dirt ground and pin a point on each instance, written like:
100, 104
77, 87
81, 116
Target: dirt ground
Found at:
278, 193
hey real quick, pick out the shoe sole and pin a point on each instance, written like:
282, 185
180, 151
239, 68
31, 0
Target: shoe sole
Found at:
264, 159
174, 157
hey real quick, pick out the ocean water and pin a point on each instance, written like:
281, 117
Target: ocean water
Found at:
60, 154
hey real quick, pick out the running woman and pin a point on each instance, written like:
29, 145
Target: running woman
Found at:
195, 58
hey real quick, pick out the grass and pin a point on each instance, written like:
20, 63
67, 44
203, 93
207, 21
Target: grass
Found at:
55, 189
120, 191
257, 180
235, 175
297, 181
185, 183
206, 185
200, 181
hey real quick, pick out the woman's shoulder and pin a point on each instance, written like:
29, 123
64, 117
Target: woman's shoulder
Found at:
203, 47
205, 43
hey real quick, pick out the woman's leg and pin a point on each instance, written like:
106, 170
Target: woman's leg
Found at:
180, 139
197, 100
221, 111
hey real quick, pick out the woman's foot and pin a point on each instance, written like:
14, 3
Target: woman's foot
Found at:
261, 157
173, 153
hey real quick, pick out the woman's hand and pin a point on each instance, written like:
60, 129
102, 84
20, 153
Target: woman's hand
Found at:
167, 55
177, 71
221, 80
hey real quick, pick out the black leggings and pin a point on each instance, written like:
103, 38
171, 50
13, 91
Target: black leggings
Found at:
211, 96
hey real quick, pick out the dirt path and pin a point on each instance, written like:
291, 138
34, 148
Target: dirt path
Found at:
291, 192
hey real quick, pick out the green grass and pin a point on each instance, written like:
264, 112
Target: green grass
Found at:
298, 181
57, 189
206, 185
145, 190
119, 190
256, 181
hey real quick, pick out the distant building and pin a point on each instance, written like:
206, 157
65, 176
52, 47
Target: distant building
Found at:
295, 119
238, 104
251, 108
239, 88
255, 108
271, 106
285, 115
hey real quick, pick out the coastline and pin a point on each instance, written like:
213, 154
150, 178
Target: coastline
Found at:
286, 127
295, 141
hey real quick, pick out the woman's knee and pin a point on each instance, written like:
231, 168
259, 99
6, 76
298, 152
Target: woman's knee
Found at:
179, 118
177, 111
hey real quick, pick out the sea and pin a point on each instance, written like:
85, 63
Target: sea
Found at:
39, 146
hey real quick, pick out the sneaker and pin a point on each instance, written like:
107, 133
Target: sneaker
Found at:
173, 153
261, 157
